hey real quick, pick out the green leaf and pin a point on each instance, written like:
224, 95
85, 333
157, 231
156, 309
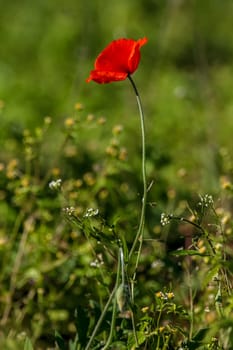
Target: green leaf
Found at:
73, 345
185, 252
213, 271
28, 344
60, 341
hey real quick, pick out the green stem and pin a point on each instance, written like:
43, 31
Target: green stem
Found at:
101, 318
106, 308
121, 256
157, 327
139, 234
134, 329
112, 329
165, 345
191, 307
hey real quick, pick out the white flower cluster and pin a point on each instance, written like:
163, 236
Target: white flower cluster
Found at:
206, 200
55, 184
91, 212
69, 210
165, 219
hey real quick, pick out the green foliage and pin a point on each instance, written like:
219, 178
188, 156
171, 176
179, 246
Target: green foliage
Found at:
28, 344
70, 181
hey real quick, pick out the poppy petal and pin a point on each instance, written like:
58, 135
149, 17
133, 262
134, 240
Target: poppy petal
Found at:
103, 77
135, 55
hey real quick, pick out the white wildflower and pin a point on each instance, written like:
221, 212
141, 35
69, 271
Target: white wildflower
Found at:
91, 212
55, 184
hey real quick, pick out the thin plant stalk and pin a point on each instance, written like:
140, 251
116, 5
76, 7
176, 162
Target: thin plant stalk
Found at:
139, 234
134, 329
101, 319
122, 266
131, 311
106, 308
114, 310
191, 297
140, 231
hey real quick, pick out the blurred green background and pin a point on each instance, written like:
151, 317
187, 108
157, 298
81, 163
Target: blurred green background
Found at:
185, 76
185, 79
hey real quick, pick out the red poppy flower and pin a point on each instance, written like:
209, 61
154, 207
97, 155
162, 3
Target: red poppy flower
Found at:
119, 59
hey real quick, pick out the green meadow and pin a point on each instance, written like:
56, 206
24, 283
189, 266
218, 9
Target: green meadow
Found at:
71, 181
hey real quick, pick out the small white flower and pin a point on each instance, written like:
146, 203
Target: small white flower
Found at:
69, 210
55, 184
206, 200
91, 212
94, 263
97, 262
165, 219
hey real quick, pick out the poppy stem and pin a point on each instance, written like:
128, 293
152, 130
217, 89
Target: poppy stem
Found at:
139, 235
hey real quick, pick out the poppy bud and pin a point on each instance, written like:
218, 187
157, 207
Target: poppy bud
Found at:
122, 296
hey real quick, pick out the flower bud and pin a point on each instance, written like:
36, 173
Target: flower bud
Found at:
122, 296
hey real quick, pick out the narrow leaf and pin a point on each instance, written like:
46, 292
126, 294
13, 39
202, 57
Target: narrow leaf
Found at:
60, 341
28, 344
185, 252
